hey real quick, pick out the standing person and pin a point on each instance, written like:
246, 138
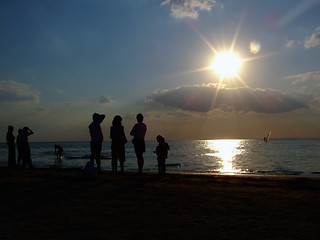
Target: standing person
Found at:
11, 142
162, 154
19, 149
119, 140
96, 138
138, 132
25, 148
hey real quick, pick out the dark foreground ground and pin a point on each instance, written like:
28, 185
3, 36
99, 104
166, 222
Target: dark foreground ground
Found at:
59, 204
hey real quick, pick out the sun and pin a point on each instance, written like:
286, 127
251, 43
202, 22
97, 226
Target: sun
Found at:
226, 64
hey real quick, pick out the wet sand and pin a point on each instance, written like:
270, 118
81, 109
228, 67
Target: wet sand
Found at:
59, 204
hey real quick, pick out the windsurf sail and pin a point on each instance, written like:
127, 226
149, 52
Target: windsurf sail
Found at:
267, 138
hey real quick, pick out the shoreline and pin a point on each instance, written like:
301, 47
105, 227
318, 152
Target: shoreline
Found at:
55, 203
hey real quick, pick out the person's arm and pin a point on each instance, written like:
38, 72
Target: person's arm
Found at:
101, 118
124, 135
29, 132
132, 131
111, 133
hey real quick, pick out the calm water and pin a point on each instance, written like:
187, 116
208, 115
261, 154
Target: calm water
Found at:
277, 157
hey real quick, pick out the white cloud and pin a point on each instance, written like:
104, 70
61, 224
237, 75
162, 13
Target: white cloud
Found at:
290, 43
11, 91
313, 40
307, 82
189, 8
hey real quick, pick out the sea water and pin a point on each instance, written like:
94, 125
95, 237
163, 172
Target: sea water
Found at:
229, 156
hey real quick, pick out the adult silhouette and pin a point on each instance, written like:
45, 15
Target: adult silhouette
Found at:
138, 132
96, 138
25, 147
119, 140
11, 142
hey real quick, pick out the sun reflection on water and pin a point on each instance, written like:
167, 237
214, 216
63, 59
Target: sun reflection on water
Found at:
225, 150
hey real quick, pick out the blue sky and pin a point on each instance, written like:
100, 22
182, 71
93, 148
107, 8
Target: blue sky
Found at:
61, 61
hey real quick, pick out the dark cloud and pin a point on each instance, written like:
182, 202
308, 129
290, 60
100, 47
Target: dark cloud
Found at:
207, 98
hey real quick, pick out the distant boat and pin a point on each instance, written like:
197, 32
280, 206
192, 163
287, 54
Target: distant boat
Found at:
267, 138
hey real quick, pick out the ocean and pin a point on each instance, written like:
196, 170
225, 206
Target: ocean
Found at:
229, 156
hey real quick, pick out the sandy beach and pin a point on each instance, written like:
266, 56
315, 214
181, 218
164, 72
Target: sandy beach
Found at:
59, 204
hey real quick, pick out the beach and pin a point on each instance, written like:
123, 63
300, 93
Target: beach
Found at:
53, 203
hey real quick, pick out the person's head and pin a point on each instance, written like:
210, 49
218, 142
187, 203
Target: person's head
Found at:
160, 139
20, 131
139, 117
10, 128
95, 117
117, 120
25, 129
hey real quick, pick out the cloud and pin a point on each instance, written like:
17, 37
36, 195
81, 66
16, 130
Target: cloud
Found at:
290, 43
189, 8
307, 82
105, 99
206, 98
313, 40
11, 91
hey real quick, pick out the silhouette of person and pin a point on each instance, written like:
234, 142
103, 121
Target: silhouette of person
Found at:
11, 147
162, 154
19, 149
119, 140
25, 147
96, 138
138, 132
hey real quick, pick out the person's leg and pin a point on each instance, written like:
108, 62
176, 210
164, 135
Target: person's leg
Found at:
114, 161
140, 161
92, 149
122, 159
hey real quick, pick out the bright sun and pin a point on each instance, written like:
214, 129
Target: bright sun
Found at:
226, 64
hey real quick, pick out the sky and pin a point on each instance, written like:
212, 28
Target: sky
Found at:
63, 60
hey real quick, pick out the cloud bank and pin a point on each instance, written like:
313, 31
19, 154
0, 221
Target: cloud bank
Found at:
15, 92
206, 98
189, 8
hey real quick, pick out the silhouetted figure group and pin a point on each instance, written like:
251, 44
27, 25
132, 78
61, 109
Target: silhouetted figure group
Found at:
23, 148
118, 141
117, 135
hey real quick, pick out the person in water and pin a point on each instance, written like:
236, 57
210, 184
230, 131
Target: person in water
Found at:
58, 150
162, 154
138, 132
119, 140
